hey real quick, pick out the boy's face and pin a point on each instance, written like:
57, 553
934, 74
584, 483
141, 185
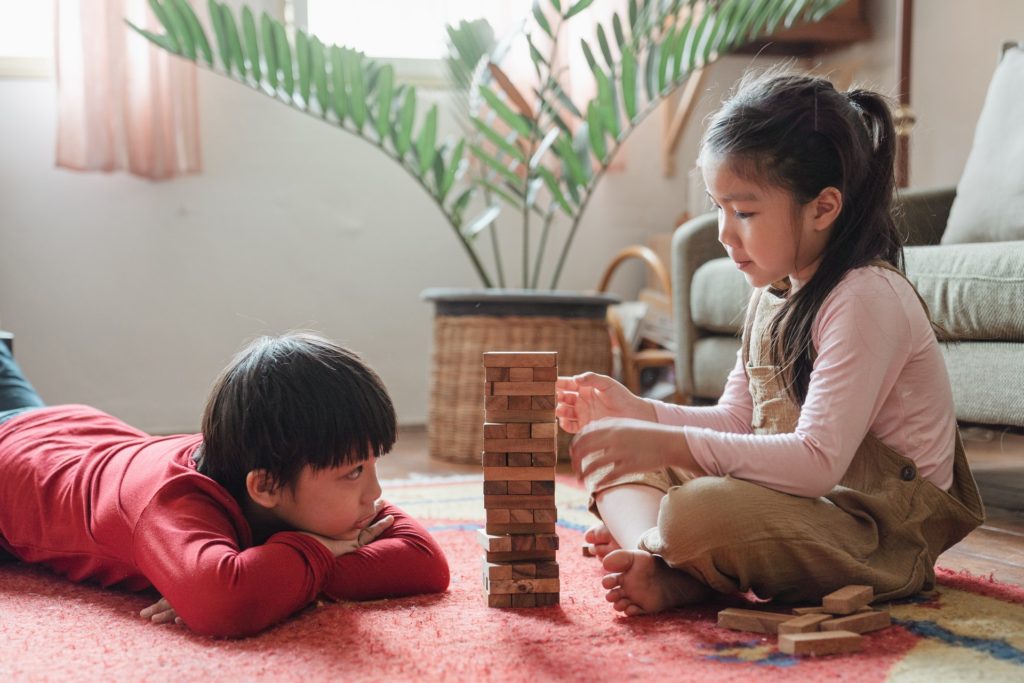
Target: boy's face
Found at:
337, 502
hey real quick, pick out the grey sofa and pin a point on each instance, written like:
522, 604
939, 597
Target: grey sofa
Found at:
974, 290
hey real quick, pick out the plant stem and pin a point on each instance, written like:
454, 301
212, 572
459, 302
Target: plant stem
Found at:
540, 247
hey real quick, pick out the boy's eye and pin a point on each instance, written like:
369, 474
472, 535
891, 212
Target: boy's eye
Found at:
743, 215
355, 474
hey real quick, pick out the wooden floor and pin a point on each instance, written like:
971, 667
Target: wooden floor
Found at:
995, 549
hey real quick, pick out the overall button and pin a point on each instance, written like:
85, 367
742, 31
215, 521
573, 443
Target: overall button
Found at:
907, 473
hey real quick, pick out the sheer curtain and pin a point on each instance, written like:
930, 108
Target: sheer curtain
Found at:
121, 103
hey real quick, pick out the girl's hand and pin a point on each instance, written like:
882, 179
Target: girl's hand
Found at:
585, 398
620, 446
161, 612
339, 546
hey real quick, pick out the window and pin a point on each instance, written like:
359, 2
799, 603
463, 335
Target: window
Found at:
407, 33
26, 38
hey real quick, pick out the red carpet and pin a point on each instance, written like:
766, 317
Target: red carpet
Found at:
969, 629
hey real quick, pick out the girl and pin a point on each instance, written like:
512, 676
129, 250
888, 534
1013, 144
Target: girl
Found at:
833, 456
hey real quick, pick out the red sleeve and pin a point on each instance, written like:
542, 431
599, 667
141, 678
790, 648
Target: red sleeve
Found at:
404, 560
186, 543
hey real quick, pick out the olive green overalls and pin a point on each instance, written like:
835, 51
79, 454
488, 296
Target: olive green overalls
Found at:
882, 526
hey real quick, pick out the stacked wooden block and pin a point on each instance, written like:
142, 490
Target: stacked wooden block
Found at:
831, 628
520, 432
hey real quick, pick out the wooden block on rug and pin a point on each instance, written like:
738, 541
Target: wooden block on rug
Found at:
820, 643
861, 622
523, 586
808, 610
803, 624
847, 600
520, 359
752, 620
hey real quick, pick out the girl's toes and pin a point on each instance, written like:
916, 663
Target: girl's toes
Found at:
610, 581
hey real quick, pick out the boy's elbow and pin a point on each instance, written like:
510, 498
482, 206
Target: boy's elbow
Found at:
227, 618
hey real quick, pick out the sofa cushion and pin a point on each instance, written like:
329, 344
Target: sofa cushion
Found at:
718, 296
975, 291
989, 204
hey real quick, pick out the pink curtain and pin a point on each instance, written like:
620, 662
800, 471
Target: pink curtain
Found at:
121, 102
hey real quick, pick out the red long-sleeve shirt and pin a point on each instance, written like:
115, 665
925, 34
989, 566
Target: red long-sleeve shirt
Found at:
97, 500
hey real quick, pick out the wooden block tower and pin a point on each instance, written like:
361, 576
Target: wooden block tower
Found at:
520, 437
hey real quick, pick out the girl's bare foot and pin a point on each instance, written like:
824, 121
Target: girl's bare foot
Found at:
640, 583
601, 539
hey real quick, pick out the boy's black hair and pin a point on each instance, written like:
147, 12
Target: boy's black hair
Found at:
290, 401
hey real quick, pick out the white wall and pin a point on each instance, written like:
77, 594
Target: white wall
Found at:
131, 295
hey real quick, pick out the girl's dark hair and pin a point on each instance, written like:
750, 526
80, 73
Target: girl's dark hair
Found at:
798, 133
290, 401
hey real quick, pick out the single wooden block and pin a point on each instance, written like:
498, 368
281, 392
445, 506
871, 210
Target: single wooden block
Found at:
521, 556
493, 460
518, 415
520, 459
542, 488
847, 600
518, 430
547, 570
532, 542
520, 375
496, 403
861, 622
496, 488
519, 445
519, 488
520, 473
545, 515
498, 572
546, 599
752, 620
524, 389
543, 402
499, 600
494, 544
803, 624
524, 600
520, 502
520, 528
522, 516
545, 459
498, 516
808, 610
540, 430
549, 374
520, 403
526, 570
498, 374
524, 586
495, 430
520, 359
820, 643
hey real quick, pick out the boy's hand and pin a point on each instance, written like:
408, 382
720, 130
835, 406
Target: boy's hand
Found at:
161, 612
584, 398
340, 547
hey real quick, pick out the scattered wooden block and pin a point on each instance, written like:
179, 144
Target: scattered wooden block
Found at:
861, 622
808, 610
847, 600
752, 620
803, 624
820, 643
520, 359
520, 473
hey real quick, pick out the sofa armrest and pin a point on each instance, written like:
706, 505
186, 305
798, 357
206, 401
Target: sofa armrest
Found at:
921, 214
694, 243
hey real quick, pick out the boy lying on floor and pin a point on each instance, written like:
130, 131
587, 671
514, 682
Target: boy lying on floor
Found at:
275, 503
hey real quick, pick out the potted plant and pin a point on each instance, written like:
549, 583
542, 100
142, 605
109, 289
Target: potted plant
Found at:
528, 153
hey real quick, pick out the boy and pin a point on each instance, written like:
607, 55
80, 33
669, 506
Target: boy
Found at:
238, 527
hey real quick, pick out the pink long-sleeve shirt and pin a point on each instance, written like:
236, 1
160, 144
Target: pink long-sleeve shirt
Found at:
879, 370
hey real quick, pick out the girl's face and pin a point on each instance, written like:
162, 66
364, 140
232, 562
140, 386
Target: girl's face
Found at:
766, 233
337, 502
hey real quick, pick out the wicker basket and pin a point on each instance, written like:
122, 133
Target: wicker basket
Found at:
468, 324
